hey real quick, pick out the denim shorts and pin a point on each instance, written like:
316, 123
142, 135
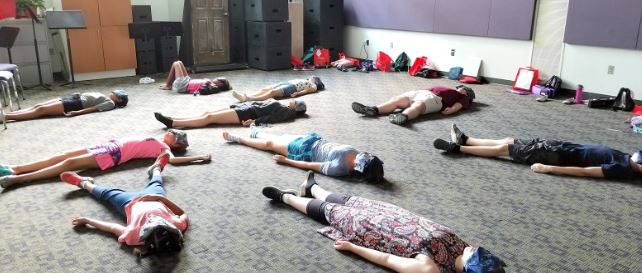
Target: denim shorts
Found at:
301, 148
71, 103
288, 88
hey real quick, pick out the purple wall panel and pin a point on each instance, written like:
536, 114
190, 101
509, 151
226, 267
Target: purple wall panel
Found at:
511, 19
640, 36
604, 23
467, 17
412, 15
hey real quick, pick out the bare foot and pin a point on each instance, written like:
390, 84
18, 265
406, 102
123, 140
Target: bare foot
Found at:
164, 87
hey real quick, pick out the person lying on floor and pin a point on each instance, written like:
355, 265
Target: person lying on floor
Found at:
155, 224
386, 234
178, 80
311, 152
420, 102
290, 89
102, 156
270, 111
72, 105
549, 156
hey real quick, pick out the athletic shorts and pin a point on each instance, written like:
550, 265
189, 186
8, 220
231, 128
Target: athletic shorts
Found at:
531, 151
432, 101
287, 88
107, 155
245, 112
180, 84
301, 148
71, 103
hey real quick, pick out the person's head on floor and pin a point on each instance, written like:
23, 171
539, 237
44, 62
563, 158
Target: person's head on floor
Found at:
119, 97
369, 166
317, 81
298, 106
221, 84
465, 90
637, 158
160, 236
478, 260
176, 139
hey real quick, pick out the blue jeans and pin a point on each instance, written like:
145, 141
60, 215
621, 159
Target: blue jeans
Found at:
120, 198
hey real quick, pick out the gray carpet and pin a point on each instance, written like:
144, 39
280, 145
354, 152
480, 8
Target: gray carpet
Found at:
537, 223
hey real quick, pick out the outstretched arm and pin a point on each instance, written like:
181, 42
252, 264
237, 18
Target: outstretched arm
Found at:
81, 112
312, 166
303, 92
187, 159
396, 263
452, 109
572, 171
103, 226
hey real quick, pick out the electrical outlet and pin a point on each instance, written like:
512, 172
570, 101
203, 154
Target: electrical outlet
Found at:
452, 52
392, 45
611, 70
367, 42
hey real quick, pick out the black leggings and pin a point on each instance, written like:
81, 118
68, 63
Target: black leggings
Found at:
316, 208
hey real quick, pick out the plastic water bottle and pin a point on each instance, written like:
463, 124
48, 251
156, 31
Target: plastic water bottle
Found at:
579, 94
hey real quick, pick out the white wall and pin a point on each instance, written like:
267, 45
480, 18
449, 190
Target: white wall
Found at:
501, 57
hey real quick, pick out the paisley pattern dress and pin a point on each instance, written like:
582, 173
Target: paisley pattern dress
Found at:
388, 228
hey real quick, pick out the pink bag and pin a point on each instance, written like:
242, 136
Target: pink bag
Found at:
321, 57
383, 62
417, 65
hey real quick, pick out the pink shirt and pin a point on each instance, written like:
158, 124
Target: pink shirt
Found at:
195, 84
139, 212
131, 148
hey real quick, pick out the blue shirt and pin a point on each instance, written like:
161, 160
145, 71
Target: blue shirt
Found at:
614, 164
333, 157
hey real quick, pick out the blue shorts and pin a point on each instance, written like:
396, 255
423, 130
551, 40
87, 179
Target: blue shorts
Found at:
120, 198
301, 148
288, 88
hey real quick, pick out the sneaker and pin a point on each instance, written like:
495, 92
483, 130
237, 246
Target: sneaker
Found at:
456, 135
146, 80
398, 118
297, 67
443, 145
305, 189
569, 101
160, 163
364, 110
5, 181
276, 194
74, 179
542, 99
308, 67
5, 170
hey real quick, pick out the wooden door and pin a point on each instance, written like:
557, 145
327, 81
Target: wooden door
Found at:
210, 27
118, 48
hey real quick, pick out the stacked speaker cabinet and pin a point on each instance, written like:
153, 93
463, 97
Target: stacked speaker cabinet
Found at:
268, 34
167, 52
238, 44
145, 47
323, 25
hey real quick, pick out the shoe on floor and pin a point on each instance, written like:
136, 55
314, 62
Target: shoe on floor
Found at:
5, 170
398, 118
447, 146
542, 99
160, 163
74, 179
569, 101
276, 194
305, 189
456, 135
239, 97
5, 181
364, 110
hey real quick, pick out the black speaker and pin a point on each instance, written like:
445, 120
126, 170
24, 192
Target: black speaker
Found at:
269, 34
166, 52
238, 44
269, 58
322, 35
266, 10
237, 11
144, 45
323, 11
146, 60
141, 13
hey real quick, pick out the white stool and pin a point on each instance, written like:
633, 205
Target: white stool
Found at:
5, 78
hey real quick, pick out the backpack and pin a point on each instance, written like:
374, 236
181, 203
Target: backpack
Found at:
624, 100
428, 73
383, 62
469, 79
555, 82
401, 63
455, 73
365, 66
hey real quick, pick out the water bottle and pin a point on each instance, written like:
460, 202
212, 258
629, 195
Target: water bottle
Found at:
579, 94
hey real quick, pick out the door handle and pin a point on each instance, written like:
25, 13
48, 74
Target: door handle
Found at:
225, 13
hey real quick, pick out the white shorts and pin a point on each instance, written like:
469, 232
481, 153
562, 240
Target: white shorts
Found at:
180, 84
432, 101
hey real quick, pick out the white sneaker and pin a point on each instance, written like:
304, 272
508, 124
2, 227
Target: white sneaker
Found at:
146, 80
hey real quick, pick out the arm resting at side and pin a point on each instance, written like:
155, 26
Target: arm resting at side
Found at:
103, 226
396, 263
452, 109
312, 166
571, 171
188, 159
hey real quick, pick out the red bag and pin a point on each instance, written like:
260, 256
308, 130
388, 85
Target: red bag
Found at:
469, 79
637, 110
417, 65
383, 62
294, 60
321, 57
526, 78
7, 9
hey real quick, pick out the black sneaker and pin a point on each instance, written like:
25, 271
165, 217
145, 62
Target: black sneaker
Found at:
457, 136
305, 189
276, 194
364, 110
398, 118
443, 145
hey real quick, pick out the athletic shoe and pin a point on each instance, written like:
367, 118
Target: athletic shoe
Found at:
308, 67
443, 145
398, 118
276, 194
160, 163
305, 189
569, 101
364, 110
74, 179
5, 181
5, 170
239, 97
457, 136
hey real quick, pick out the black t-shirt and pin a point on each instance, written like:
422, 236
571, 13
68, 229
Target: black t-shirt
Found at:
615, 164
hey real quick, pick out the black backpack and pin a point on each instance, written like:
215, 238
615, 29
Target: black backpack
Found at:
554, 82
402, 63
624, 100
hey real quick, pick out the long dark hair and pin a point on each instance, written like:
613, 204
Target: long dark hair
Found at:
163, 240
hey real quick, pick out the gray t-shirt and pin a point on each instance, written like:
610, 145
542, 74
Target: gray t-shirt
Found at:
98, 100
333, 156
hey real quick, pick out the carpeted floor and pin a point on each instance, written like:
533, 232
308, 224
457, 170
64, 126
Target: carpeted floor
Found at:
537, 223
